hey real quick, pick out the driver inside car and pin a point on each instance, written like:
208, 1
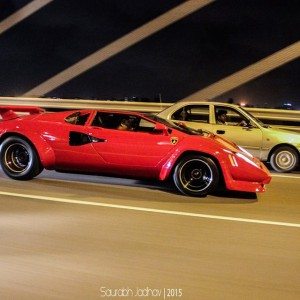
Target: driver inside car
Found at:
221, 118
126, 124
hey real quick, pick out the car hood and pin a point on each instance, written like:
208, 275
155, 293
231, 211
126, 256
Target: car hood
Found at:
224, 142
282, 135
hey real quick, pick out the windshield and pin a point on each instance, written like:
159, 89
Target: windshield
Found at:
254, 118
180, 126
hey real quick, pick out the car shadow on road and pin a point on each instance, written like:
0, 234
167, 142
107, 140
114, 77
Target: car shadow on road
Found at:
222, 196
157, 191
236, 195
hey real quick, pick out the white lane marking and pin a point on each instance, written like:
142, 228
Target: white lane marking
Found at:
153, 210
285, 176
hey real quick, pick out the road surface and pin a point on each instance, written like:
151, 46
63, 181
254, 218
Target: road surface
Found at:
67, 236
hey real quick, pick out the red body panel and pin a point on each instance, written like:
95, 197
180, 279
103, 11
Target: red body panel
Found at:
130, 153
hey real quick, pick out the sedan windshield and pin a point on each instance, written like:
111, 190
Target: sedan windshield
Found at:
255, 119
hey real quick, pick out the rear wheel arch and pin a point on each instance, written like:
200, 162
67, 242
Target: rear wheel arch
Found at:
44, 151
21, 136
19, 158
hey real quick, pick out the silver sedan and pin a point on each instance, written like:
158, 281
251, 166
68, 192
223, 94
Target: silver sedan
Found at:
281, 148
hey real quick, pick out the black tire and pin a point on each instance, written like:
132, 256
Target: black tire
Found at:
284, 159
19, 160
196, 175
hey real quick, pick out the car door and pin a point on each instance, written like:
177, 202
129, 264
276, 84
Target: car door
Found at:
203, 116
132, 152
248, 137
71, 145
193, 115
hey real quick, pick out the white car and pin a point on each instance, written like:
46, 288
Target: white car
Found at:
279, 147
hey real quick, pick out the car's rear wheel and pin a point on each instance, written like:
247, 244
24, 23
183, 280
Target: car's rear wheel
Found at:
19, 160
196, 175
284, 159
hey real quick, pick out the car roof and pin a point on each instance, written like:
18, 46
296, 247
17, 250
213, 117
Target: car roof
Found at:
115, 111
180, 104
207, 102
109, 111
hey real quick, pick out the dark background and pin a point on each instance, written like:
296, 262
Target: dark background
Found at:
210, 44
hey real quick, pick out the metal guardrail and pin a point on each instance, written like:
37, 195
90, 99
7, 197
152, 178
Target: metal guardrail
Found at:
275, 114
55, 103
275, 117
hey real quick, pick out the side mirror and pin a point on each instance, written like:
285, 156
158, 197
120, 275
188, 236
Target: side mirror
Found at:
244, 123
250, 124
160, 129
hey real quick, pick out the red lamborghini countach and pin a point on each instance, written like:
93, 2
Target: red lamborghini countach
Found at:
124, 144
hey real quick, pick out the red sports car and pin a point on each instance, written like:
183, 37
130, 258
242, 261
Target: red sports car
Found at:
126, 144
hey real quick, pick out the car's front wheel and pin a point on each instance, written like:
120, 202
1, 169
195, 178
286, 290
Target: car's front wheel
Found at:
196, 175
284, 159
19, 160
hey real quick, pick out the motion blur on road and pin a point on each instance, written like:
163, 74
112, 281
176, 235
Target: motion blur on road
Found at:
67, 236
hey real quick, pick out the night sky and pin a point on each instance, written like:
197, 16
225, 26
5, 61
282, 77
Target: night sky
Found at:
210, 44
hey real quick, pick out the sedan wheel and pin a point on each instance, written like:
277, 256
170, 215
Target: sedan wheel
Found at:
19, 159
284, 159
196, 176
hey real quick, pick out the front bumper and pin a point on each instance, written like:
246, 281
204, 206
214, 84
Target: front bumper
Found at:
246, 175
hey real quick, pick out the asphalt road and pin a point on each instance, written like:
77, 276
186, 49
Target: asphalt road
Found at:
86, 237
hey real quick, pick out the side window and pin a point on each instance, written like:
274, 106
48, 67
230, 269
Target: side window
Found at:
192, 113
108, 120
135, 123
181, 114
145, 126
229, 116
77, 118
116, 121
128, 123
98, 120
199, 113
122, 122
